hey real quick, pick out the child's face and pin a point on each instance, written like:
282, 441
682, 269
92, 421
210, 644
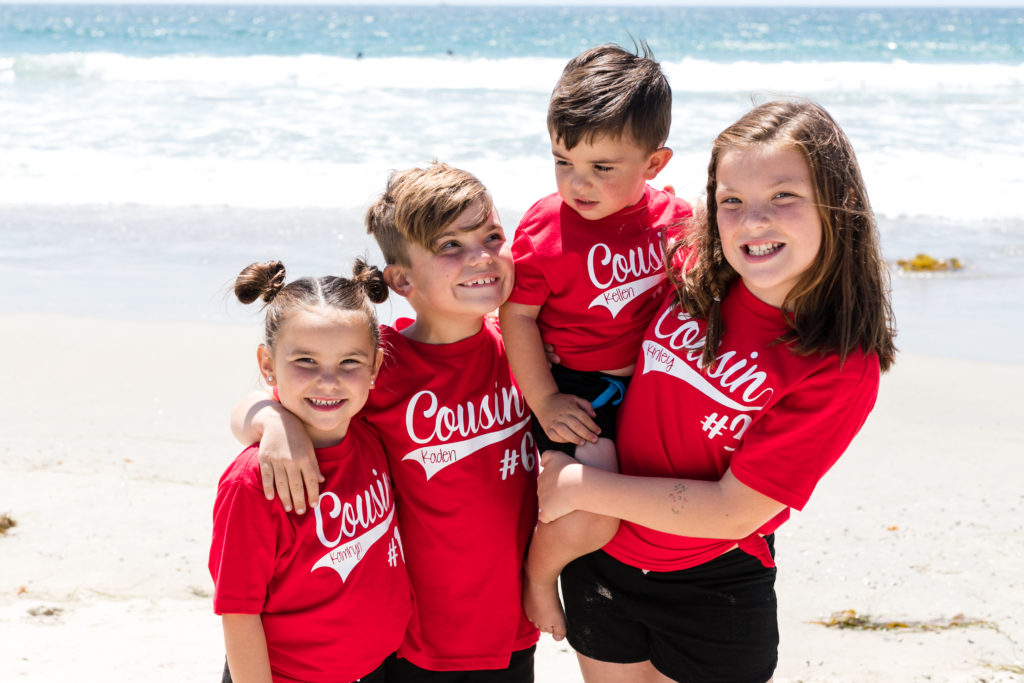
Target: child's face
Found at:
767, 218
605, 175
465, 274
323, 365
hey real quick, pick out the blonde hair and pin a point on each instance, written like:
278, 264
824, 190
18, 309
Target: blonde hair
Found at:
418, 204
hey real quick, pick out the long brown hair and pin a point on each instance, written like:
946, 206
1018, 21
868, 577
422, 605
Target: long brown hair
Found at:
841, 303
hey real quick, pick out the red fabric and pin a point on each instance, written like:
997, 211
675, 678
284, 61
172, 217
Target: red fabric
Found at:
457, 433
332, 589
600, 282
779, 421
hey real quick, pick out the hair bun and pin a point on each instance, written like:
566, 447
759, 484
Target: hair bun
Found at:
371, 279
260, 280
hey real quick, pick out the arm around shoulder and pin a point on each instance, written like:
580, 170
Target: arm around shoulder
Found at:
288, 464
247, 419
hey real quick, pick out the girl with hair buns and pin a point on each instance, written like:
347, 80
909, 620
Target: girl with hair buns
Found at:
321, 597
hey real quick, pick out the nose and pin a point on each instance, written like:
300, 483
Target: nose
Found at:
756, 216
480, 254
329, 377
579, 180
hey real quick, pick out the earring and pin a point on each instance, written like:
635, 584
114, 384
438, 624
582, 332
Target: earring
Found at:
270, 378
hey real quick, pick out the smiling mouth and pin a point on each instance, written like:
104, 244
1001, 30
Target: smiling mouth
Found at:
763, 249
325, 403
480, 282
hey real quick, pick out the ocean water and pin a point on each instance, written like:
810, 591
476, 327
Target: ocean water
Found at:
149, 152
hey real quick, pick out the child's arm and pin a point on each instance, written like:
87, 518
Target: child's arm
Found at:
564, 417
725, 508
246, 647
287, 460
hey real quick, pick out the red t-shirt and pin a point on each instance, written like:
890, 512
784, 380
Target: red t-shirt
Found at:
779, 421
331, 585
598, 283
457, 433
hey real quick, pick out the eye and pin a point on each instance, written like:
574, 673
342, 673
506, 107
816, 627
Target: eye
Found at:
448, 245
496, 237
561, 162
305, 360
726, 201
603, 169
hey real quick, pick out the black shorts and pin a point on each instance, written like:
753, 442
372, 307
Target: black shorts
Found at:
605, 393
714, 622
519, 670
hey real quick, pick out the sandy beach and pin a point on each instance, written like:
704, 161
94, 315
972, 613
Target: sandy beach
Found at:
114, 435
150, 150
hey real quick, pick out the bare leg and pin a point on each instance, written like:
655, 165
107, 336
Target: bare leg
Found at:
595, 671
556, 544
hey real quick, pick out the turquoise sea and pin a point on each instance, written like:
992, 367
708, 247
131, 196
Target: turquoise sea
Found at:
148, 152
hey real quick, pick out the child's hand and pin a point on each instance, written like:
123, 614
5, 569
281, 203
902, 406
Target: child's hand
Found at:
549, 353
558, 474
288, 464
567, 419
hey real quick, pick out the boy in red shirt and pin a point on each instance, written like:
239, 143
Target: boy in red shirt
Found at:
455, 428
590, 273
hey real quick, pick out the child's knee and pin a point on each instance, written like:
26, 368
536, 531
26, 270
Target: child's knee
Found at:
601, 455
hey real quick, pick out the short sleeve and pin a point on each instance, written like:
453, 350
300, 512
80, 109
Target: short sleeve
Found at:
788, 450
531, 287
244, 548
679, 228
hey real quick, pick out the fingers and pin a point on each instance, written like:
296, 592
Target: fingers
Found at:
293, 484
297, 492
281, 486
574, 433
546, 457
587, 410
267, 476
568, 419
575, 428
547, 516
552, 357
312, 479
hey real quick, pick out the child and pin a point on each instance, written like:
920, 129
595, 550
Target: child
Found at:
754, 382
324, 597
589, 277
455, 428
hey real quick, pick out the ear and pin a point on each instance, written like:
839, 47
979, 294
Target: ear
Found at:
266, 363
376, 366
397, 279
656, 162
